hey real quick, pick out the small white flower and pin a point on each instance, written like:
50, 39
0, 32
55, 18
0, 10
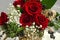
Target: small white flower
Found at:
18, 5
34, 30
20, 24
37, 30
32, 27
36, 26
28, 35
14, 11
33, 23
19, 14
12, 14
27, 26
27, 29
40, 26
18, 10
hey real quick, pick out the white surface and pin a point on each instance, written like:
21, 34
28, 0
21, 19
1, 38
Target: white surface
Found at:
47, 36
4, 4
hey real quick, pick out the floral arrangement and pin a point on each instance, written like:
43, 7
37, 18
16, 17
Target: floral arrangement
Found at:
29, 18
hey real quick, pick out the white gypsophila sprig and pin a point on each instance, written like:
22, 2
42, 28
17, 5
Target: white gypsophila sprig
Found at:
31, 34
13, 14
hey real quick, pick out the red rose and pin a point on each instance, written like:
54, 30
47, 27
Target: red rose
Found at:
1, 21
3, 18
34, 0
32, 7
26, 19
18, 2
41, 20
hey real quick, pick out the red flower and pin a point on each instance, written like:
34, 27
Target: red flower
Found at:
41, 20
26, 19
32, 13
32, 7
3, 18
18, 2
34, 0
1, 21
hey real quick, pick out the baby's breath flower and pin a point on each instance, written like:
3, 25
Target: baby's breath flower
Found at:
13, 14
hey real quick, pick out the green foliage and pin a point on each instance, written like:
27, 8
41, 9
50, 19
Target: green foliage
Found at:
57, 14
48, 3
40, 33
51, 24
12, 29
21, 10
56, 22
18, 8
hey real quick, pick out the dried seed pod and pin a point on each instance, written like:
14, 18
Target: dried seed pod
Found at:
44, 12
50, 14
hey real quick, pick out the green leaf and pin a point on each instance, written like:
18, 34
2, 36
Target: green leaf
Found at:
21, 10
57, 24
19, 29
48, 3
40, 33
56, 27
57, 14
12, 35
51, 24
18, 8
12, 29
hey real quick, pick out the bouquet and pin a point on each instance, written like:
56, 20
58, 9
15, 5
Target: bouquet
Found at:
28, 19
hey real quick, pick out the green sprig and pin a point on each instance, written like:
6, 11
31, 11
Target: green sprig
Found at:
56, 22
12, 29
